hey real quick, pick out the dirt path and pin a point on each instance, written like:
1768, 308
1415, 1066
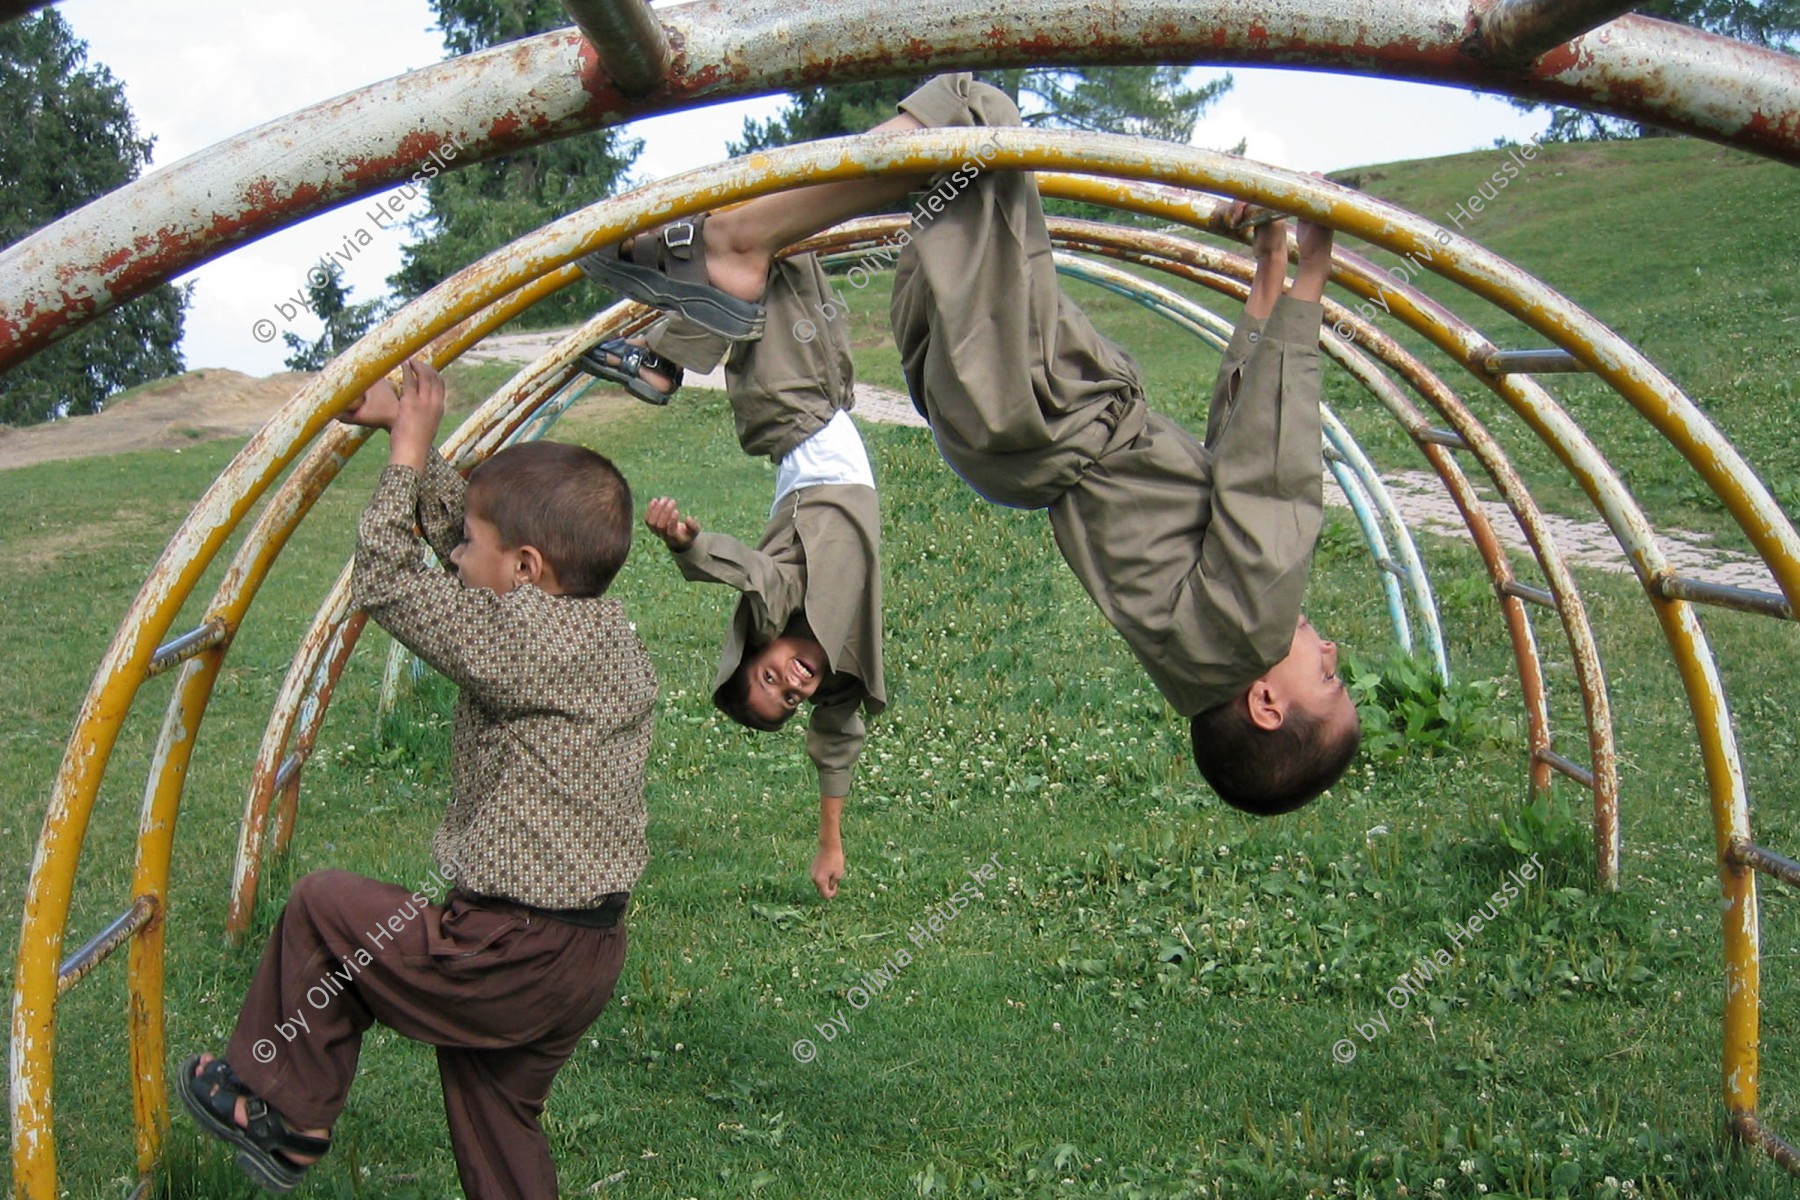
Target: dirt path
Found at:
196, 407
203, 405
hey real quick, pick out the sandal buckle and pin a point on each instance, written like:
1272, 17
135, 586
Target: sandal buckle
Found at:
678, 235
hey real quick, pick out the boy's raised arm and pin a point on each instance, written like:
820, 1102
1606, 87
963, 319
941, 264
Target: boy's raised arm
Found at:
425, 608
1265, 435
777, 590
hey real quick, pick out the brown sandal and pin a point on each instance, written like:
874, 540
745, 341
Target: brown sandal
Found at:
666, 268
264, 1142
621, 362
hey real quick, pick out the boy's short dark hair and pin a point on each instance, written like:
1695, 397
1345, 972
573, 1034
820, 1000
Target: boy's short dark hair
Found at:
572, 504
733, 697
1267, 772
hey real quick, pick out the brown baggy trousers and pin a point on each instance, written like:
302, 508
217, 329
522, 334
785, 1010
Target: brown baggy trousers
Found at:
504, 994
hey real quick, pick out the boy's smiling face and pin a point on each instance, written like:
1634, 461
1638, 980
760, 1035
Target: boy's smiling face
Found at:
782, 674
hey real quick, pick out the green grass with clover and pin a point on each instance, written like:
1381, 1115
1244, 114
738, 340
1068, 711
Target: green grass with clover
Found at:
1147, 1005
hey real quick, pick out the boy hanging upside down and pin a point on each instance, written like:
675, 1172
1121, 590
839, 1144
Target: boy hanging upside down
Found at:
1197, 553
807, 626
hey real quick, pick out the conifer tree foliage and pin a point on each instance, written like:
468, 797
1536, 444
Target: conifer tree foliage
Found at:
478, 208
1772, 23
1152, 102
823, 112
345, 322
1143, 101
67, 136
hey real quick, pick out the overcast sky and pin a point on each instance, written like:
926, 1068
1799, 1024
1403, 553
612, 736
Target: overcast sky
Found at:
197, 71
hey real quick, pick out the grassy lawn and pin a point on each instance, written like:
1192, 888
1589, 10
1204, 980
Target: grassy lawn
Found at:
1154, 995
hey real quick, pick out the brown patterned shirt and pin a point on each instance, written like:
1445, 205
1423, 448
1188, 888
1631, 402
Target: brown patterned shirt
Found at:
553, 720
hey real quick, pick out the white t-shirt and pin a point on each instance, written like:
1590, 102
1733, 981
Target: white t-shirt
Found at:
835, 454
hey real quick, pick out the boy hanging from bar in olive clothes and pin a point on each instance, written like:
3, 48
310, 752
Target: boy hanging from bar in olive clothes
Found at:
807, 625
1197, 553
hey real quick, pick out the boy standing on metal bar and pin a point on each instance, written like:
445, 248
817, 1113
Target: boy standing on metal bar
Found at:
543, 837
1197, 553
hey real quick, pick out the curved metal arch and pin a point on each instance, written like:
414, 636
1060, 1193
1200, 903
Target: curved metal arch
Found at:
124, 666
550, 86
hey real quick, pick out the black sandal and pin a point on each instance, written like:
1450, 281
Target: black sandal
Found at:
628, 362
666, 269
210, 1093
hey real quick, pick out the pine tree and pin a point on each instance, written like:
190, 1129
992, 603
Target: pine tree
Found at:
1142, 101
344, 322
478, 208
66, 136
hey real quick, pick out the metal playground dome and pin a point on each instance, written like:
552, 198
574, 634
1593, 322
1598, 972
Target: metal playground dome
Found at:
1579, 53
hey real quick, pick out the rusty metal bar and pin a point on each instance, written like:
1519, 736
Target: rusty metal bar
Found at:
187, 645
1525, 591
1518, 31
290, 767
1750, 600
312, 715
1567, 766
631, 43
1746, 853
1748, 1128
1531, 362
1441, 437
143, 910
542, 88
